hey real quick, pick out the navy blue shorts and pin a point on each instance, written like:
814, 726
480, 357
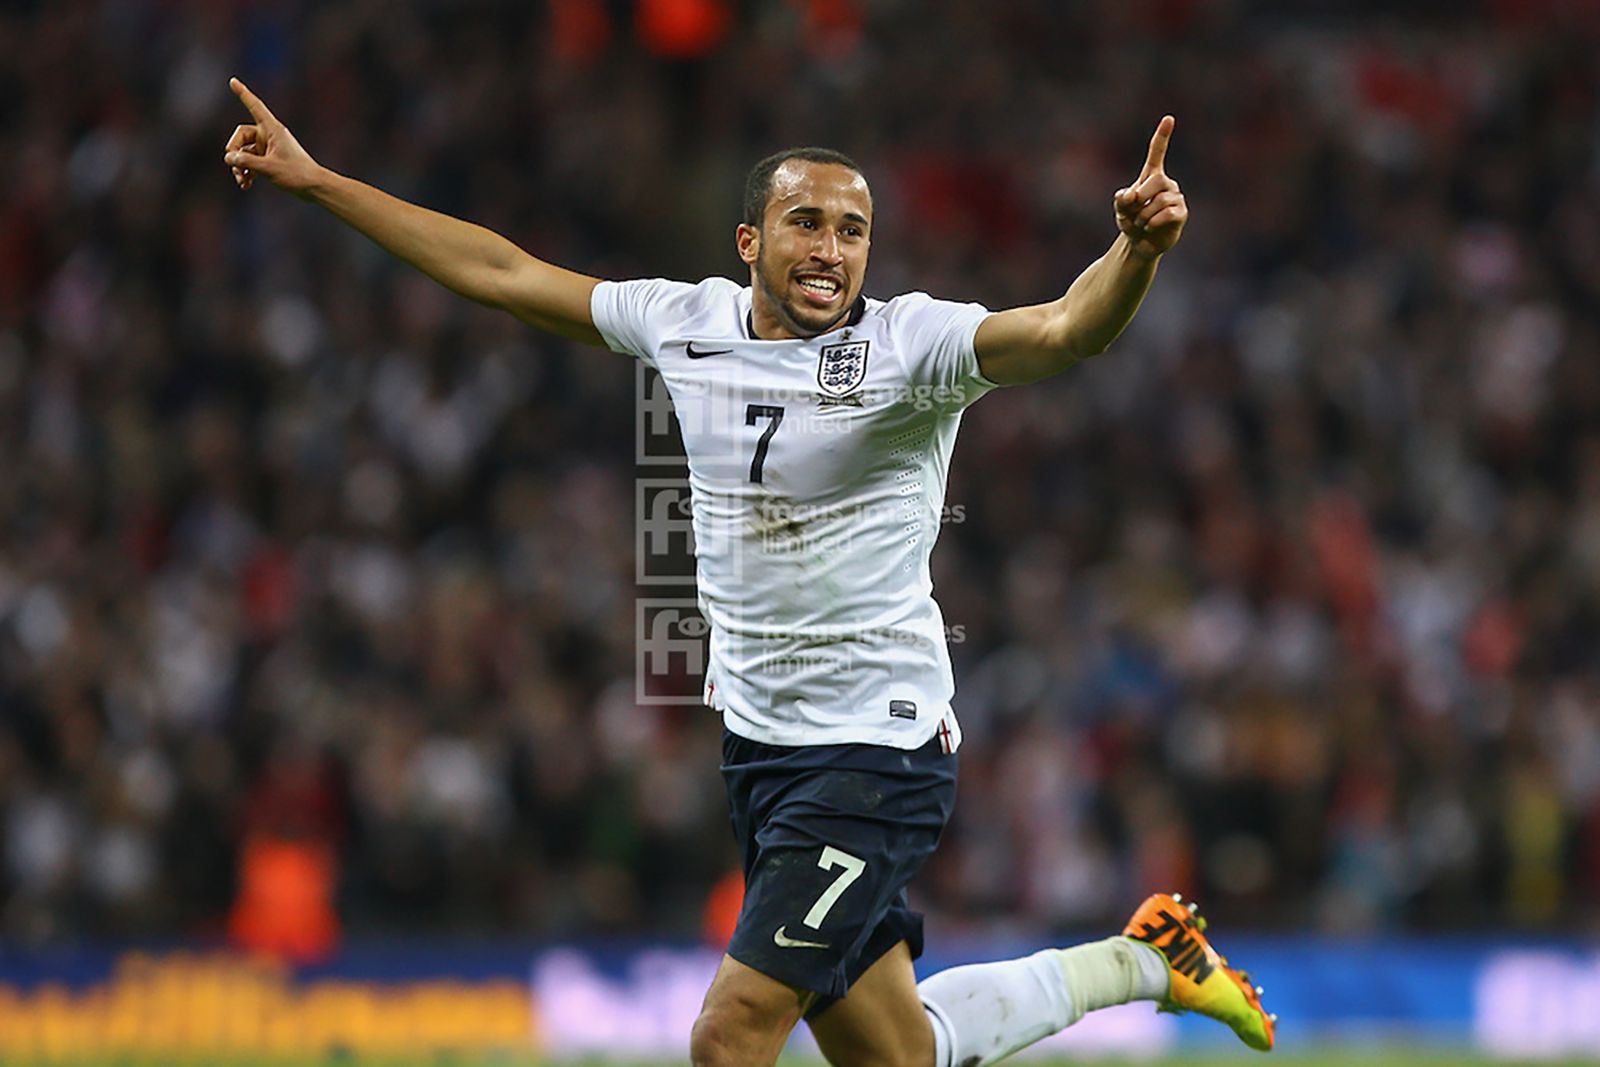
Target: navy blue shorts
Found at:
831, 835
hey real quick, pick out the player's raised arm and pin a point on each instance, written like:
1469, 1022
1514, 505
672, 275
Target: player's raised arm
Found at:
475, 262
1028, 343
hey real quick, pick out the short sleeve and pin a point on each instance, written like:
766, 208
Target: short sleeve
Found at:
631, 315
937, 338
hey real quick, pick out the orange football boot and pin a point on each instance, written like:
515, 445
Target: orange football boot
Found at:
1202, 981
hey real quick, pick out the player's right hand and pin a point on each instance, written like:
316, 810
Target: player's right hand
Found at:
267, 147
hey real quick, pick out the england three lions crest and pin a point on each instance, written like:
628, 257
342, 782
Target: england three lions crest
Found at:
842, 367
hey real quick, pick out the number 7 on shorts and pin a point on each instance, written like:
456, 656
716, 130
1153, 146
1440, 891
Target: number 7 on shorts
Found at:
831, 858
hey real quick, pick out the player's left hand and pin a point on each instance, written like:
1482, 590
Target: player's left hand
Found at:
1152, 211
267, 147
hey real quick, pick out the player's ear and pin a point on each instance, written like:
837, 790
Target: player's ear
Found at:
748, 240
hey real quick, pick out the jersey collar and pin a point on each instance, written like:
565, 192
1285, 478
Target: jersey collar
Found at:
857, 312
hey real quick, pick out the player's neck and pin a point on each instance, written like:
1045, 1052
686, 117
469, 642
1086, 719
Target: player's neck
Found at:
768, 323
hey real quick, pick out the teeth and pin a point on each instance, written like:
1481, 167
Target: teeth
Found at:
1273, 1017
1178, 897
819, 285
1193, 907
1260, 991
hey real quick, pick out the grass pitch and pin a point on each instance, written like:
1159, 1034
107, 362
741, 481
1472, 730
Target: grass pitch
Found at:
1354, 1057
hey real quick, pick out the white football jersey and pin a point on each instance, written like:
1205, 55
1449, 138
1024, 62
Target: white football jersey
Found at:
817, 471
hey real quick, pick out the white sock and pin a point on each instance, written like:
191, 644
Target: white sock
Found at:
1115, 971
984, 1012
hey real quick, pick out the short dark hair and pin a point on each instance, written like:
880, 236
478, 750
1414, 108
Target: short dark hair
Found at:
758, 186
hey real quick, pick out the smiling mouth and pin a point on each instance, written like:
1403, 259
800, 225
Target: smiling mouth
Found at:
820, 289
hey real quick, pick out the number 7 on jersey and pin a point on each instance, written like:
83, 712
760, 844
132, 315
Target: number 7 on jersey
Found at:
751, 414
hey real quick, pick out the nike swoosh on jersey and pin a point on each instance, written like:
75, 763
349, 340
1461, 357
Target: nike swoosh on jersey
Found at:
703, 353
783, 941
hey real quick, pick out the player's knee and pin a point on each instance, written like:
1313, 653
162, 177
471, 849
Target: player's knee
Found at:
734, 1033
710, 1042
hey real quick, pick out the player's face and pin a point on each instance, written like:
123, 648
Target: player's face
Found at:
809, 259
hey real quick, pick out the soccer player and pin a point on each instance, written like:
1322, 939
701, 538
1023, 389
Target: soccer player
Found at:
818, 425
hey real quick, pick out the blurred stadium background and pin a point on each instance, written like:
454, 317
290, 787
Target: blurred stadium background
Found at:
318, 726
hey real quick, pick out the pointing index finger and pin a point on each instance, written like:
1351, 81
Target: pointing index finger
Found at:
258, 110
1157, 158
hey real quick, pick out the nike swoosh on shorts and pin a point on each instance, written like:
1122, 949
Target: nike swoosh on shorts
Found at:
783, 941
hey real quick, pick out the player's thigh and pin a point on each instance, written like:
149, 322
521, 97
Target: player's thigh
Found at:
834, 836
746, 1017
881, 1021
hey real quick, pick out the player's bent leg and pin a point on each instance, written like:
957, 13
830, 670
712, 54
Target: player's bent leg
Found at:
980, 1014
984, 1012
881, 1022
746, 1018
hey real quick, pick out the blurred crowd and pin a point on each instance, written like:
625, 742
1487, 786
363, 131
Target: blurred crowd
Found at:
1290, 600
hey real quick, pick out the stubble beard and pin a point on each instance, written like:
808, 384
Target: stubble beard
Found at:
787, 311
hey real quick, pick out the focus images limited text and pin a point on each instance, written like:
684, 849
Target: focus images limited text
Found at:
724, 403
839, 651
804, 529
774, 512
